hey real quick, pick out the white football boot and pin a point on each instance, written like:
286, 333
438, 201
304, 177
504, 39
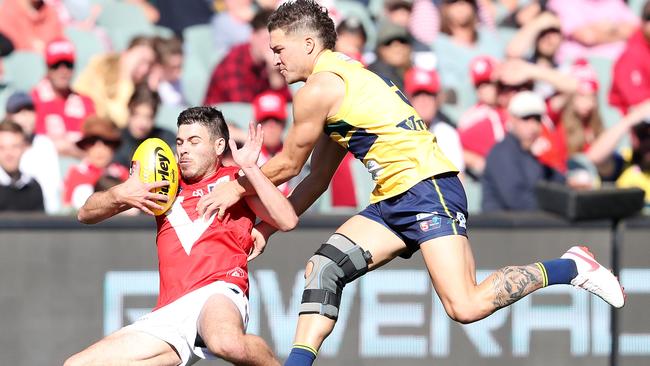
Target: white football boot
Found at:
595, 278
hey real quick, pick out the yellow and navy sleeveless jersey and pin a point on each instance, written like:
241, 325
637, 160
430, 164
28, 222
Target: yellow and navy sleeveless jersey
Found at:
377, 124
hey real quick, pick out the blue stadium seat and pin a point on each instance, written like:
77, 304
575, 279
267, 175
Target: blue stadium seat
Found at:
636, 6
474, 194
375, 7
162, 31
167, 116
363, 184
194, 80
24, 69
86, 44
239, 114
199, 44
200, 60
506, 34
123, 21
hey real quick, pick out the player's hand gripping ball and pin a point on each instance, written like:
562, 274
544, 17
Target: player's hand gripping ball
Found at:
157, 163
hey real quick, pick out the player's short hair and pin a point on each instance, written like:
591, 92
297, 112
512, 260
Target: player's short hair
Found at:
209, 117
304, 16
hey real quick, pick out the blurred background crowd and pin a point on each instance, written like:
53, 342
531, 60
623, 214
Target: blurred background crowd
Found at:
516, 91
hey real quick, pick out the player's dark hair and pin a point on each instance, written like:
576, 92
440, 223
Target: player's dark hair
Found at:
304, 15
209, 117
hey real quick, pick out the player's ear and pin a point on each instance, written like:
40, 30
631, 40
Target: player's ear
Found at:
310, 44
220, 146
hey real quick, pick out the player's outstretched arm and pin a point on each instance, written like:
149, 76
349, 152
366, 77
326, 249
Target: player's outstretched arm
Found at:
312, 104
131, 193
269, 204
325, 160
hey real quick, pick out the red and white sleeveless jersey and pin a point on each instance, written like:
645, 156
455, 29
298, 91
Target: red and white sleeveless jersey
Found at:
193, 252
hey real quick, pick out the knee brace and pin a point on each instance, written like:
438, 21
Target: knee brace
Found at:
336, 263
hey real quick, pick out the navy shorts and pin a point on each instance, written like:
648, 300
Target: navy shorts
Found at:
433, 208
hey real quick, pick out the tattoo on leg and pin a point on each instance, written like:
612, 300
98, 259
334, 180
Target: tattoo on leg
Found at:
512, 283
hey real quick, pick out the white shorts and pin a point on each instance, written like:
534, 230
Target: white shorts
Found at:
176, 323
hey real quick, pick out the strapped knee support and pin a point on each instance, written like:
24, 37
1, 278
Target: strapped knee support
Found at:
336, 263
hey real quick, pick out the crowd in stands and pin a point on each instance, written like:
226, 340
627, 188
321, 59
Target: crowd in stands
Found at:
515, 91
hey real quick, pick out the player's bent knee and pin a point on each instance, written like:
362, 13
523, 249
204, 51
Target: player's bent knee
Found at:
463, 312
337, 262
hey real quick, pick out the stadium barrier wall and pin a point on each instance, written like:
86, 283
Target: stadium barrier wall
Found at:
64, 285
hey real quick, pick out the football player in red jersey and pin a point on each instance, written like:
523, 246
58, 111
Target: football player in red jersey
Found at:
202, 308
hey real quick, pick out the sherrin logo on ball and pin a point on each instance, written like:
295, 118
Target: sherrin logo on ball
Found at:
157, 163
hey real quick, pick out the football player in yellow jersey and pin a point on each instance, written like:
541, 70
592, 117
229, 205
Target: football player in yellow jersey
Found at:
418, 202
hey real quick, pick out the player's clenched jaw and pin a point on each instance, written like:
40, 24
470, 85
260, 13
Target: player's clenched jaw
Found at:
291, 55
198, 152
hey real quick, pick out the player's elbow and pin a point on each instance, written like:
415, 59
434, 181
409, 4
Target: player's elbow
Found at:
289, 222
86, 217
83, 217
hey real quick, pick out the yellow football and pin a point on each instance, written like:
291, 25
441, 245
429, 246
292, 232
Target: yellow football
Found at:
157, 163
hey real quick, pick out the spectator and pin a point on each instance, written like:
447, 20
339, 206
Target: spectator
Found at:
511, 170
232, 25
99, 141
40, 160
166, 72
178, 15
629, 167
579, 116
400, 12
478, 128
247, 70
461, 40
140, 126
29, 24
521, 13
109, 80
351, 39
484, 124
631, 79
59, 110
424, 22
270, 110
18, 191
422, 88
6, 48
393, 53
593, 27
537, 41
459, 20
